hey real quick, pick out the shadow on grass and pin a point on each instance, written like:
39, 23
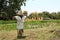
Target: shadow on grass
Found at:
23, 37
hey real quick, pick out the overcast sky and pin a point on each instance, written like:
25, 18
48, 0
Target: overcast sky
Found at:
42, 5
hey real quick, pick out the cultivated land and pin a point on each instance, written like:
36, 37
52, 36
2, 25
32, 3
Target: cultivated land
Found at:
33, 30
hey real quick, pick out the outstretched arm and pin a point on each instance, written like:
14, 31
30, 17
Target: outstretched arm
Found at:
13, 17
24, 17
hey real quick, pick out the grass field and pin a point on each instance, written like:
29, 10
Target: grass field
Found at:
33, 30
11, 25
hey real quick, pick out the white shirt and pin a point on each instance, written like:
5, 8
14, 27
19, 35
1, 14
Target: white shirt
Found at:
20, 21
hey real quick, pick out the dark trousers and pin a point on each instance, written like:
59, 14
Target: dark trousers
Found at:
19, 32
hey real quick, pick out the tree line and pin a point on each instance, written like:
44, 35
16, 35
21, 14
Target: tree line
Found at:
46, 15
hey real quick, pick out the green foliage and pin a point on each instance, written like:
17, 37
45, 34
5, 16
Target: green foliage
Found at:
33, 15
46, 15
9, 7
25, 13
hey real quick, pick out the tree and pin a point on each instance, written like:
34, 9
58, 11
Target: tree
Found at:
58, 15
10, 6
40, 14
25, 13
14, 4
45, 14
53, 15
31, 15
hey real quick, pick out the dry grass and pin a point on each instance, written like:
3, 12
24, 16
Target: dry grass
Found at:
33, 34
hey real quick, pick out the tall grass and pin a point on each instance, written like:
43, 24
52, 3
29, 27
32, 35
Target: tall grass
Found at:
11, 25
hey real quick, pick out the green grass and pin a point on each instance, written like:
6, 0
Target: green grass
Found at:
11, 25
34, 30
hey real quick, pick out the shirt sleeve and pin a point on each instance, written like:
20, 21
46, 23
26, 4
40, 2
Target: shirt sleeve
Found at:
24, 17
17, 18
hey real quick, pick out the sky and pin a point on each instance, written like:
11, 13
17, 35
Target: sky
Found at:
41, 5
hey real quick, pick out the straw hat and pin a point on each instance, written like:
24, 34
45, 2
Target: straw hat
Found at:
19, 12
